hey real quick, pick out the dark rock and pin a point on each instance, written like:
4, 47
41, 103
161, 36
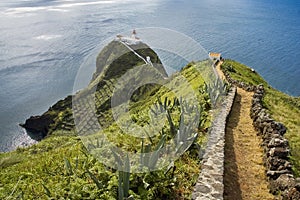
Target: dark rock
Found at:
279, 152
297, 186
293, 194
283, 182
277, 164
38, 124
278, 142
275, 174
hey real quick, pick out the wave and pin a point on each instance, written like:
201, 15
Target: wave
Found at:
47, 37
29, 10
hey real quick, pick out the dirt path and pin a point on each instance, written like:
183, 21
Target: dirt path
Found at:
244, 176
244, 171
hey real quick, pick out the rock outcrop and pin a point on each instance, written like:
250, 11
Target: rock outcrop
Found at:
57, 116
112, 62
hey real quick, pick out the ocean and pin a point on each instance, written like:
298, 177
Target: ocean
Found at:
44, 42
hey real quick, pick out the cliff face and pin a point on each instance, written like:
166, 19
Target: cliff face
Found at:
112, 62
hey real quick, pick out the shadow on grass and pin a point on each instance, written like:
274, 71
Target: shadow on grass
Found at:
232, 190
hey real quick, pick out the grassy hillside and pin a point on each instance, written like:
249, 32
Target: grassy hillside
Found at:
112, 62
282, 107
59, 167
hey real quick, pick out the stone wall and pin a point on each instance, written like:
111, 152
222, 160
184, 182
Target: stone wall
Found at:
276, 147
210, 182
240, 84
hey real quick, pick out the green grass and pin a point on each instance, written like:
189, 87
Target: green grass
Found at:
282, 107
59, 167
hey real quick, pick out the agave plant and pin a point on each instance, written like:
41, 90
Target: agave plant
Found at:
124, 175
216, 90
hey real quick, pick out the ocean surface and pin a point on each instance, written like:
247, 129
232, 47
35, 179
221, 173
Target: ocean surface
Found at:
44, 42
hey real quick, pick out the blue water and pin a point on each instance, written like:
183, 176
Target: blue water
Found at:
43, 43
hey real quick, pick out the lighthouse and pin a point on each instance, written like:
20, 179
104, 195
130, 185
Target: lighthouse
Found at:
129, 40
133, 36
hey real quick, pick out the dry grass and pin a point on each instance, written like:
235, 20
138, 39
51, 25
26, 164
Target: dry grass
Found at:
244, 171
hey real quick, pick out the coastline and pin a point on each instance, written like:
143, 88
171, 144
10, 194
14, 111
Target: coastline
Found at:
56, 149
26, 140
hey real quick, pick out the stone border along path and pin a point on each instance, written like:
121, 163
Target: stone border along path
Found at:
210, 182
244, 172
276, 147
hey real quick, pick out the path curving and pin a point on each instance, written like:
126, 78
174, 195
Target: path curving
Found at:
244, 171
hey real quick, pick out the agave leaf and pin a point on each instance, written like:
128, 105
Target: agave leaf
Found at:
170, 166
161, 143
120, 186
165, 102
142, 153
76, 163
47, 191
172, 126
153, 159
94, 178
150, 139
146, 155
68, 167
126, 176
155, 155
117, 158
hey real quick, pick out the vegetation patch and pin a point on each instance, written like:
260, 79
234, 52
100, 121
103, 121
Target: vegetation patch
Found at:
282, 107
60, 166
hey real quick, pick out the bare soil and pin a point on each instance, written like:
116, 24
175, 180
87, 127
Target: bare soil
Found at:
244, 175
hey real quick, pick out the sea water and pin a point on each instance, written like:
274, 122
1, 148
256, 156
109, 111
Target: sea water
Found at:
43, 43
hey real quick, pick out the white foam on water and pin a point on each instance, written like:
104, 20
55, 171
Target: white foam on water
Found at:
85, 4
23, 140
26, 11
47, 37
58, 10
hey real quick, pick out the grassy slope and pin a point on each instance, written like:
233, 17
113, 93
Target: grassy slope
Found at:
282, 107
43, 170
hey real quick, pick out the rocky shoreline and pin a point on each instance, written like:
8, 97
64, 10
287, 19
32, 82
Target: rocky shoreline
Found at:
40, 126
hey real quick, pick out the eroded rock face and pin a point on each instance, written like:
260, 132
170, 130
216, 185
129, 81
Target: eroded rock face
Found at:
38, 124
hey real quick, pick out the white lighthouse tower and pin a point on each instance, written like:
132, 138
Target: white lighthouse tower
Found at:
129, 40
133, 36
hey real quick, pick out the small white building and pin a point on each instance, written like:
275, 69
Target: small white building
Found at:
215, 56
129, 40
